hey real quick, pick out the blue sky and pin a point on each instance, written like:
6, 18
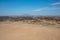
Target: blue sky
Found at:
29, 7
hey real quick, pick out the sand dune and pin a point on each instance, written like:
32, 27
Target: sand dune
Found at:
24, 31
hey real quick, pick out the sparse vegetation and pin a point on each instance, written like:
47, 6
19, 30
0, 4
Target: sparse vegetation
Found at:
48, 20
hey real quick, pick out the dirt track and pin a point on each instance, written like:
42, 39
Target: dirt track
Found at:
21, 31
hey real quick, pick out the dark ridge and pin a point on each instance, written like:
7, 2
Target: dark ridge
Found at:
18, 18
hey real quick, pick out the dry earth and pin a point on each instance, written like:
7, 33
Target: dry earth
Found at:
24, 31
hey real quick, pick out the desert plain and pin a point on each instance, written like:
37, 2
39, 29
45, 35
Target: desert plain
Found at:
28, 31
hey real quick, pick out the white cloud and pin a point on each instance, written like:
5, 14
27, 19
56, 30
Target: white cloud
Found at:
40, 9
54, 8
49, 8
57, 3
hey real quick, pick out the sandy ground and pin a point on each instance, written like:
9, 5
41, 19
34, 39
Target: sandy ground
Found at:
24, 31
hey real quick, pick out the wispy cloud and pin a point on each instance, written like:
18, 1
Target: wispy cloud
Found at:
57, 3
40, 9
49, 8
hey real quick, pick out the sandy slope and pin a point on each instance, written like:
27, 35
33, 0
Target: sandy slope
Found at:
21, 31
